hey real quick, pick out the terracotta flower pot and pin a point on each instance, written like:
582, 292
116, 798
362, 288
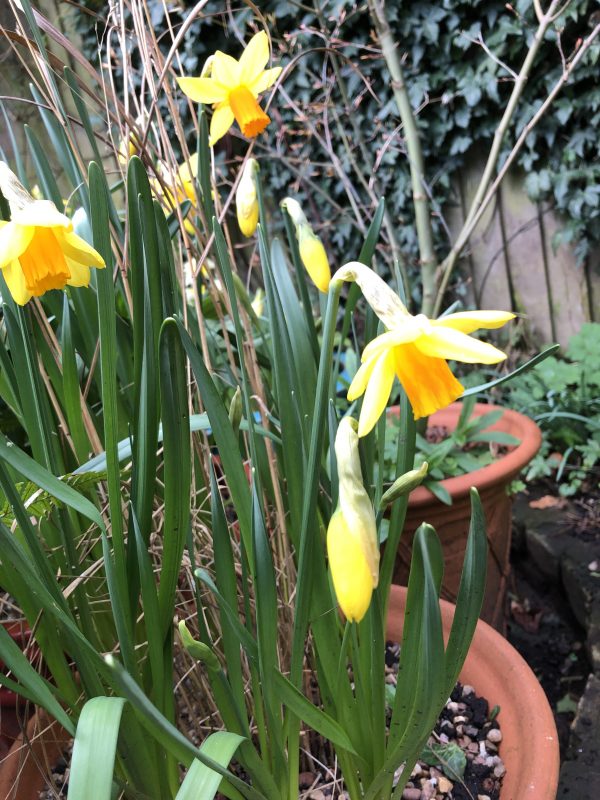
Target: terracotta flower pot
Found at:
26, 769
452, 522
496, 671
13, 709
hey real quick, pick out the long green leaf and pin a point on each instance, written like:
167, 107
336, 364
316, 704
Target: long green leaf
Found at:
201, 782
95, 748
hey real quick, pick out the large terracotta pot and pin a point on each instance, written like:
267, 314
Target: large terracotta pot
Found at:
496, 671
452, 522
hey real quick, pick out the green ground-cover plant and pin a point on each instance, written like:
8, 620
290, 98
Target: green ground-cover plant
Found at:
465, 449
563, 395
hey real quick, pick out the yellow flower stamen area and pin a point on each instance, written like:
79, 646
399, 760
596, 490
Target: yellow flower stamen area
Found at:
43, 263
247, 112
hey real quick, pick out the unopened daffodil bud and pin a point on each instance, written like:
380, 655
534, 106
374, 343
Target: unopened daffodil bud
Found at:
314, 257
236, 410
199, 650
352, 545
404, 485
246, 198
312, 252
294, 210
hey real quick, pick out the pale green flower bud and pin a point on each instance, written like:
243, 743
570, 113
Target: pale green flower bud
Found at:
404, 485
199, 650
246, 199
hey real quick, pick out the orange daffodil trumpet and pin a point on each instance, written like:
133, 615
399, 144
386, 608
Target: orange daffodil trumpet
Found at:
38, 249
312, 251
352, 535
233, 88
415, 349
246, 198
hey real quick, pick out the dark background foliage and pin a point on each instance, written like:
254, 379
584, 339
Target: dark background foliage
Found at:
458, 90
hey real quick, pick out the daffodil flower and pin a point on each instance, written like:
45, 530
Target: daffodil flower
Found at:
312, 251
352, 536
233, 87
38, 249
415, 349
246, 199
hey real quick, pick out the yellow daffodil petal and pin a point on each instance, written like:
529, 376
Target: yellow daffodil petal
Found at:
360, 380
264, 80
202, 90
408, 332
469, 321
77, 249
254, 58
428, 382
14, 240
350, 571
80, 274
222, 120
377, 393
226, 70
448, 343
15, 280
41, 214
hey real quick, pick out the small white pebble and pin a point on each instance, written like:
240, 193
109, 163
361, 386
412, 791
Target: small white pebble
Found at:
467, 690
499, 770
494, 735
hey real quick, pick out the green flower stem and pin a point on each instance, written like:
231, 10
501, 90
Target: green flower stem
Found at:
415, 155
404, 462
310, 547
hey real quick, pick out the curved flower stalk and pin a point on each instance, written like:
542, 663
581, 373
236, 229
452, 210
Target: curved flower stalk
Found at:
39, 250
246, 199
352, 537
233, 88
415, 349
311, 248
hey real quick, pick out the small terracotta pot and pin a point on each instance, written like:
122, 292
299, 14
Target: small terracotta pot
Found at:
529, 747
26, 769
452, 522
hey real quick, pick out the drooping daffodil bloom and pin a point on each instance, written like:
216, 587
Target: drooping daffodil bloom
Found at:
39, 250
233, 88
352, 535
246, 198
311, 248
416, 350
176, 188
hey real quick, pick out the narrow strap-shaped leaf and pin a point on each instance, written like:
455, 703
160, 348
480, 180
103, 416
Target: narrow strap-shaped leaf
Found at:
166, 733
95, 748
483, 387
225, 437
310, 713
13, 658
201, 782
177, 466
470, 594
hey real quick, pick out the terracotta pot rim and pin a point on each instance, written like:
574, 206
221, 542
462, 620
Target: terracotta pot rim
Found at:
497, 672
501, 471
